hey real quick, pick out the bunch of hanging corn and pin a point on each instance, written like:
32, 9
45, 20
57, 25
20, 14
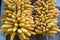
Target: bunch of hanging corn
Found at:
17, 19
46, 17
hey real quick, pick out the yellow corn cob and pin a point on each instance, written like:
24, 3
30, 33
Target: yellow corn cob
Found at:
6, 2
7, 26
14, 29
12, 36
21, 34
26, 32
33, 33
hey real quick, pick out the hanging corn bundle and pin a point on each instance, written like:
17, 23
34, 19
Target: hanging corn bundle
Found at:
46, 17
17, 19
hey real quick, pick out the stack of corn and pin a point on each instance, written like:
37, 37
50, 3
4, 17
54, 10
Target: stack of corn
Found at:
46, 17
17, 19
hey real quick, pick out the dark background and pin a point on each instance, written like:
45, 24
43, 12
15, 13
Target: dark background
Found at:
0, 5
